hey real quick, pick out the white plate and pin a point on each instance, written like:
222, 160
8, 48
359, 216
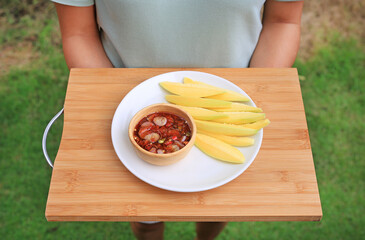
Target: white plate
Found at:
197, 171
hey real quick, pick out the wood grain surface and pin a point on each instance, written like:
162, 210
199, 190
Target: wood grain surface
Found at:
89, 182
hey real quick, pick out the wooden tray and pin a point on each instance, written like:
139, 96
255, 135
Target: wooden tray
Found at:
89, 182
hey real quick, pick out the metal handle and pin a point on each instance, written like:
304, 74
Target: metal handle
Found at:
44, 140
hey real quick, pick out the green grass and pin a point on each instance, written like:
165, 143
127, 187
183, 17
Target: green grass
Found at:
334, 97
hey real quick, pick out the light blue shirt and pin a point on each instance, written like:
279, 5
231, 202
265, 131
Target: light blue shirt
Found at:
177, 33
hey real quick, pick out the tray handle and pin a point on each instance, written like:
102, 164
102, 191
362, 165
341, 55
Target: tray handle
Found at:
44, 139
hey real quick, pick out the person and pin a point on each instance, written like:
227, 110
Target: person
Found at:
179, 33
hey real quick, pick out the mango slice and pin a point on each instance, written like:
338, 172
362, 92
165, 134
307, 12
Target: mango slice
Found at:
240, 117
202, 113
228, 95
239, 107
188, 80
235, 141
190, 90
218, 149
257, 125
225, 129
197, 102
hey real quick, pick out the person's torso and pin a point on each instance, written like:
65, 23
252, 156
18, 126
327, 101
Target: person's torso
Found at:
179, 33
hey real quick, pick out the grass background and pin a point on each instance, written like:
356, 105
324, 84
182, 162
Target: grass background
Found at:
33, 79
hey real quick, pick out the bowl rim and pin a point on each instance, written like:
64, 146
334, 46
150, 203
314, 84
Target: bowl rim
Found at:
166, 155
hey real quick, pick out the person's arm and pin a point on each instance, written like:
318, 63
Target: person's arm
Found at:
280, 36
80, 37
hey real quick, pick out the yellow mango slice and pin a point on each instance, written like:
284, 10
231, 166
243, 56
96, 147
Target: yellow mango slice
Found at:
225, 129
239, 107
190, 90
197, 102
257, 125
202, 113
235, 141
218, 149
240, 117
228, 95
188, 80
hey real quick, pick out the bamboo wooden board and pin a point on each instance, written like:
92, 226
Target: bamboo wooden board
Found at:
89, 182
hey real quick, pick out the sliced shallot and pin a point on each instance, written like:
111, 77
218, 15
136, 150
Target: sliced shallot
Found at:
146, 124
152, 137
160, 151
160, 121
179, 144
173, 148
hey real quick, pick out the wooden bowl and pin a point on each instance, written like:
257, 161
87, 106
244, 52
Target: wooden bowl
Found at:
168, 158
